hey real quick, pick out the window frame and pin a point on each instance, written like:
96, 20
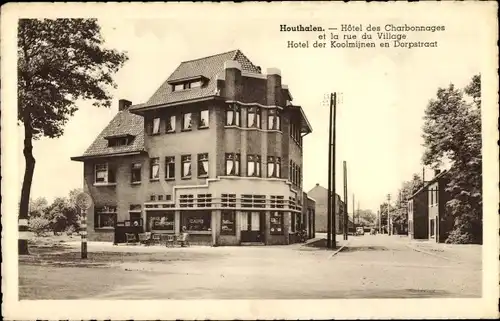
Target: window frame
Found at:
153, 122
169, 218
230, 221
135, 168
154, 161
110, 174
186, 159
256, 161
200, 126
101, 211
236, 115
256, 112
169, 174
168, 122
201, 158
184, 121
206, 214
281, 217
272, 114
236, 160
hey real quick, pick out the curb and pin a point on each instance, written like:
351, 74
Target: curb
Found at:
435, 255
339, 250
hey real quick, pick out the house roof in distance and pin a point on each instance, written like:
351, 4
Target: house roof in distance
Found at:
207, 68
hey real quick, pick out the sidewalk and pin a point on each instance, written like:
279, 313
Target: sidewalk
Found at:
465, 253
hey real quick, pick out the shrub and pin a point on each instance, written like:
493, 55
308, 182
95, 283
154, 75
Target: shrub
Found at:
70, 230
39, 225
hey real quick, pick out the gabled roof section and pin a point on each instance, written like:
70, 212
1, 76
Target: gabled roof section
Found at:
207, 68
124, 124
426, 184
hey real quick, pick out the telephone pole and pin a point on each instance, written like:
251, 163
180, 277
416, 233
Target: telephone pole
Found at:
353, 212
331, 169
346, 215
329, 195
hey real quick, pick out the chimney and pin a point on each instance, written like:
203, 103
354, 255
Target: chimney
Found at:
317, 184
437, 172
233, 81
124, 104
273, 86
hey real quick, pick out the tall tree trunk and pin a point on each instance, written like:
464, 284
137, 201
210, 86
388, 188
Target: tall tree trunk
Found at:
26, 188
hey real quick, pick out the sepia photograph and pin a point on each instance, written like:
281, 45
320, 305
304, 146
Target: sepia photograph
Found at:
255, 160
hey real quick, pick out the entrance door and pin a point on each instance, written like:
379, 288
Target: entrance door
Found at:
251, 227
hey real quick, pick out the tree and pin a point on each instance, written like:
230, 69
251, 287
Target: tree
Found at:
62, 215
366, 217
400, 214
452, 132
38, 207
59, 62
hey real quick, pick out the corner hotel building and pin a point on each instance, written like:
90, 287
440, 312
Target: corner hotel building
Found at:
217, 149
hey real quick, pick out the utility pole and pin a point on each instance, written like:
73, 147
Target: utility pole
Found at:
346, 215
353, 212
388, 214
379, 215
358, 212
329, 193
332, 191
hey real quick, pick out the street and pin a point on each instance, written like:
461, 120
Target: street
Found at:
370, 266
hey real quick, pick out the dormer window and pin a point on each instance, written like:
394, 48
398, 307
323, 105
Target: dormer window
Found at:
188, 83
195, 84
119, 140
178, 87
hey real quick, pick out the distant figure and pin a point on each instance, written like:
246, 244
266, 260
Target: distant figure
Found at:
184, 237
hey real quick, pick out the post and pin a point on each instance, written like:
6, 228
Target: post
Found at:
334, 199
379, 221
388, 214
329, 193
83, 231
346, 215
353, 213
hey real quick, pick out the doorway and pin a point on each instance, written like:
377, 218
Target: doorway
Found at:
252, 224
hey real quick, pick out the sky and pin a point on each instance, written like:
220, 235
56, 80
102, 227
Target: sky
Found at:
384, 92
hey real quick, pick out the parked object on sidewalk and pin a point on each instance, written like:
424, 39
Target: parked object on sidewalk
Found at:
360, 231
170, 240
145, 238
131, 238
156, 238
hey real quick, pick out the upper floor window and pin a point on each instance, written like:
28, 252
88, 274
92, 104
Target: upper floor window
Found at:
186, 166
273, 167
204, 118
104, 173
136, 172
233, 115
170, 124
170, 167
253, 165
202, 165
156, 126
154, 164
233, 164
178, 87
186, 121
116, 142
195, 84
273, 119
253, 117
187, 85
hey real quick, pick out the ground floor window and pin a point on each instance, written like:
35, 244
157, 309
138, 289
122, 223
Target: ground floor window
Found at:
197, 221
161, 221
105, 217
276, 223
228, 223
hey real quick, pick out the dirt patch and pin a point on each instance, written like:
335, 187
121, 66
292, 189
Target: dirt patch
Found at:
322, 243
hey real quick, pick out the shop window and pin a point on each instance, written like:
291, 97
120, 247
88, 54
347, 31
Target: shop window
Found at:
203, 165
104, 173
233, 115
136, 172
253, 166
273, 119
161, 221
170, 167
154, 165
276, 223
253, 117
233, 164
170, 124
228, 223
197, 221
186, 200
105, 217
204, 200
186, 121
204, 118
228, 200
186, 166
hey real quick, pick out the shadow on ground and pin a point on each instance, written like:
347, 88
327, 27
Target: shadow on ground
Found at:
364, 248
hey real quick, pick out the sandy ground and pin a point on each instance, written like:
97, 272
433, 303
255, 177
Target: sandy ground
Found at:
369, 267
